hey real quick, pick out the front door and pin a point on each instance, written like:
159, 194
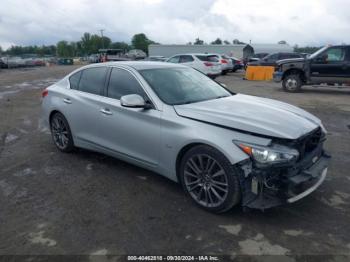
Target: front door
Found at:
331, 66
133, 133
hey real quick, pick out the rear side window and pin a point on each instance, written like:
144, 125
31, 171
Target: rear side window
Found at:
122, 83
74, 80
186, 58
92, 80
207, 58
174, 59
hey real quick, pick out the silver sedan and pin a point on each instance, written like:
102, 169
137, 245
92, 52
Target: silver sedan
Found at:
224, 148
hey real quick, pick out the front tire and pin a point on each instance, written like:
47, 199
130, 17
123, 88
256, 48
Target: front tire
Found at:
210, 179
292, 83
61, 133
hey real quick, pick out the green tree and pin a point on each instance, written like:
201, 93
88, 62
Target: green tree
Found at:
65, 49
120, 45
198, 42
140, 41
218, 41
226, 42
237, 42
282, 42
85, 43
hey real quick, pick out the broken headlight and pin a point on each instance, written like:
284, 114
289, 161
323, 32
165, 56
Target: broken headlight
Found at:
269, 155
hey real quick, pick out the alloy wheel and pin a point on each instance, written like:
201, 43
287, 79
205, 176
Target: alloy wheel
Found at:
59, 132
206, 181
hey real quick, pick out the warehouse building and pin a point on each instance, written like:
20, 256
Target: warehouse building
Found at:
239, 51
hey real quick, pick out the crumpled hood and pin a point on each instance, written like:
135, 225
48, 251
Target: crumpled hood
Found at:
253, 114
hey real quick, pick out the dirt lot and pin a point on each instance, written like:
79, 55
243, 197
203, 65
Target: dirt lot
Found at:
87, 203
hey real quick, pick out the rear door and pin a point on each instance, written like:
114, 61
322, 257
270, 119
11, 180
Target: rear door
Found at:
133, 133
83, 103
330, 66
187, 60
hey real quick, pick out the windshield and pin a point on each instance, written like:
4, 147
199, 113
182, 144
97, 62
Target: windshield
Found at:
318, 52
176, 86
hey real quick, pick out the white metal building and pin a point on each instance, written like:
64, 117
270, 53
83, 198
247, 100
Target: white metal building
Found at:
271, 48
170, 50
239, 51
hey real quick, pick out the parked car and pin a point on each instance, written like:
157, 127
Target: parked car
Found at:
271, 59
224, 148
226, 63
65, 61
39, 61
254, 58
136, 54
237, 64
14, 61
2, 64
259, 55
156, 58
329, 65
94, 58
29, 61
206, 63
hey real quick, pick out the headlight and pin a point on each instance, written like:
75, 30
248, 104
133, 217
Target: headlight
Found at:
269, 155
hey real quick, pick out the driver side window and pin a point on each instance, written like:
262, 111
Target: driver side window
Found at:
336, 54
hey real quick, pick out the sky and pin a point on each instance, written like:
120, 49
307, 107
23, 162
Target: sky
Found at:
302, 22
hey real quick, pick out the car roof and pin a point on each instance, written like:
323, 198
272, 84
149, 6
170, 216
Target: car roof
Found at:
138, 65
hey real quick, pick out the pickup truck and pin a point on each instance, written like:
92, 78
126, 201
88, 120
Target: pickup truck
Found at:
329, 65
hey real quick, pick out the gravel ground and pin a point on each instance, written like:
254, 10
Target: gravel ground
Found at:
86, 203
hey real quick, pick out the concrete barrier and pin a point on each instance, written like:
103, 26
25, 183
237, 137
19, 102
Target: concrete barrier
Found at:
261, 73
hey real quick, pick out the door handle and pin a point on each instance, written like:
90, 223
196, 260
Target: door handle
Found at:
106, 111
67, 101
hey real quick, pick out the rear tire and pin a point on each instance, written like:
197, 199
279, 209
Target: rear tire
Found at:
209, 179
61, 133
292, 83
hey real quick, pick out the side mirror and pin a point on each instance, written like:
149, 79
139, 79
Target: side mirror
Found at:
134, 101
321, 59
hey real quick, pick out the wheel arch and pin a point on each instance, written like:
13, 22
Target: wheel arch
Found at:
192, 144
296, 71
54, 112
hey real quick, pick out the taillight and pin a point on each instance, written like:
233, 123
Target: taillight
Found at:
208, 64
45, 93
223, 61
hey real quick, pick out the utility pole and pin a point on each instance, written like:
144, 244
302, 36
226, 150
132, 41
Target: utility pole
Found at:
103, 44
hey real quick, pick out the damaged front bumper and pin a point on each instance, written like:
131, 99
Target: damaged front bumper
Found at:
272, 186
